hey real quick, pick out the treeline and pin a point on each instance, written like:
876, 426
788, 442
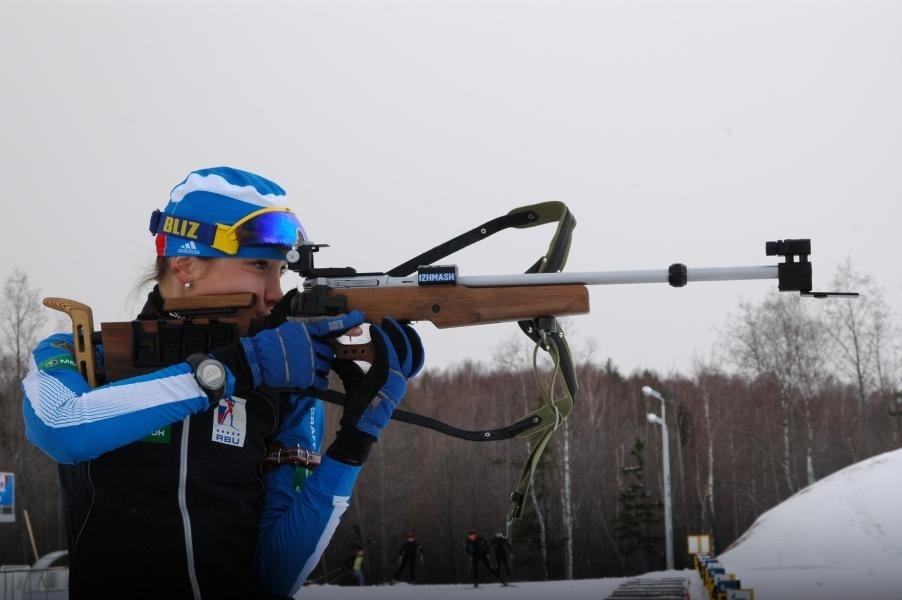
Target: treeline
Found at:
36, 487
728, 465
794, 390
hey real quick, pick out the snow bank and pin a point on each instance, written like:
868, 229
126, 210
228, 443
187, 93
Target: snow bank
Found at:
840, 538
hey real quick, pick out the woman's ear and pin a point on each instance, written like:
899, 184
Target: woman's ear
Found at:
183, 269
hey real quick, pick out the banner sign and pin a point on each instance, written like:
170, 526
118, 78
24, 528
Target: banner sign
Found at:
699, 544
7, 498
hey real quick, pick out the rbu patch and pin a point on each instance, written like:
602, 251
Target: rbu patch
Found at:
230, 422
437, 275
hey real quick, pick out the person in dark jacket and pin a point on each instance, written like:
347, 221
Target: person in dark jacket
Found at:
408, 555
477, 548
500, 550
202, 478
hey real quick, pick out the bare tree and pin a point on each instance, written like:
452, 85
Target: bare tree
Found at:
781, 339
861, 333
567, 500
703, 376
20, 320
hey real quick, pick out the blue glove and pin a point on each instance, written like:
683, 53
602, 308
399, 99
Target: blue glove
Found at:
294, 355
399, 356
371, 397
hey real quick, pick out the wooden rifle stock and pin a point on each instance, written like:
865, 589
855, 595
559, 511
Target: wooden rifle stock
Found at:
457, 305
82, 334
444, 306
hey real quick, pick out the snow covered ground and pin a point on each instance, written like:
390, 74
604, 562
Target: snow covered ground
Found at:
579, 589
840, 539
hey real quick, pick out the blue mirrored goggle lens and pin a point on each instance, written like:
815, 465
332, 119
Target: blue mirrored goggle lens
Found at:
271, 229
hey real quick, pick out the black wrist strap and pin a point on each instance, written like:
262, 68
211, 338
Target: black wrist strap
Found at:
351, 446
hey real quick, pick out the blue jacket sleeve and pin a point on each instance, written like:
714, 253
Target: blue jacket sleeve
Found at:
72, 423
298, 521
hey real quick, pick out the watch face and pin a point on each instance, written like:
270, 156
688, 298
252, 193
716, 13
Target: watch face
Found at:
211, 374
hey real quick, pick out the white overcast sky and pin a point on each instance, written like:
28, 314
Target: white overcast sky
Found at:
678, 130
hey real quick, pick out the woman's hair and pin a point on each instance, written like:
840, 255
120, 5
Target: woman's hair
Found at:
149, 278
155, 274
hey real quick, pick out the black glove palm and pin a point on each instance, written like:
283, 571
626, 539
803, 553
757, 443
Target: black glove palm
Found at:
371, 397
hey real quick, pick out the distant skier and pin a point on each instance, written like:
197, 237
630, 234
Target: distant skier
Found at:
408, 555
358, 567
501, 549
477, 548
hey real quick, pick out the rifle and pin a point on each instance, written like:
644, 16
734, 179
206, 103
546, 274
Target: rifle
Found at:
421, 290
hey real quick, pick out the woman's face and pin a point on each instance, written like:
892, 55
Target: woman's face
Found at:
258, 276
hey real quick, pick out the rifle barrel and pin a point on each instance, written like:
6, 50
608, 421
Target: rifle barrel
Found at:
619, 277
564, 278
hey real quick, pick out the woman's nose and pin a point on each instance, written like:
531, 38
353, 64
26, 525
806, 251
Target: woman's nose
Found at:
273, 292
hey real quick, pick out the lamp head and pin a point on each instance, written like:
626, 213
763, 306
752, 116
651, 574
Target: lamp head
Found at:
650, 391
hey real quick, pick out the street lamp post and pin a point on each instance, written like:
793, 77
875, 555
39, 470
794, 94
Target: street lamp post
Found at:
668, 511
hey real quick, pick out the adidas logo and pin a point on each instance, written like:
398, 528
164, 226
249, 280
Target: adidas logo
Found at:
188, 248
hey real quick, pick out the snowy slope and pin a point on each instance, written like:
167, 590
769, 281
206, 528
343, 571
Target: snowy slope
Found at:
840, 538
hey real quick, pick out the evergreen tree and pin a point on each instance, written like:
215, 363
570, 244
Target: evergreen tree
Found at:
638, 516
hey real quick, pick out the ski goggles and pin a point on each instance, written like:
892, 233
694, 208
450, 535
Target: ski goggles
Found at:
271, 226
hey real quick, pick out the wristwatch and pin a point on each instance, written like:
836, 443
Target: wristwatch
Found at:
210, 375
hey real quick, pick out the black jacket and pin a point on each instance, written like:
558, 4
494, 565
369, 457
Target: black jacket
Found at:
476, 548
409, 550
501, 546
135, 515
